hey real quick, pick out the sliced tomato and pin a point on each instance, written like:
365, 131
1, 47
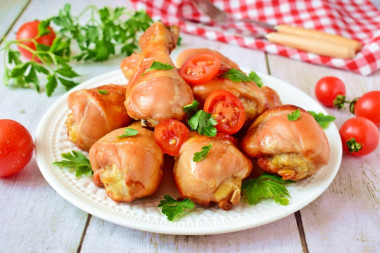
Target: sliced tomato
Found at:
200, 68
227, 110
170, 134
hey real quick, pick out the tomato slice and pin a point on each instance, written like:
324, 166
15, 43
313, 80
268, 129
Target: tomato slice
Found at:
170, 134
227, 110
200, 68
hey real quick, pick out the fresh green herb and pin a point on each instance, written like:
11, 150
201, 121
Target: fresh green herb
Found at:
238, 76
201, 155
128, 132
322, 119
264, 187
179, 41
203, 123
191, 109
76, 160
255, 78
158, 65
353, 145
235, 75
173, 208
294, 115
103, 92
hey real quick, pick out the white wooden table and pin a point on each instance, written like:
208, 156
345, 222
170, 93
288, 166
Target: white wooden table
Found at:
34, 218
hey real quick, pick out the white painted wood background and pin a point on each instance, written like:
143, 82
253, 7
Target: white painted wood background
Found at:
34, 218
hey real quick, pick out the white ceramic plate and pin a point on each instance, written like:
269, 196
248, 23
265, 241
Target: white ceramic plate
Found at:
143, 214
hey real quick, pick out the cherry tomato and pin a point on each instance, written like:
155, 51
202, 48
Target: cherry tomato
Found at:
29, 30
16, 147
170, 134
368, 106
328, 88
200, 68
359, 136
227, 110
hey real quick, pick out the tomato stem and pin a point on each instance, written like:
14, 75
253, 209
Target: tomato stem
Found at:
353, 146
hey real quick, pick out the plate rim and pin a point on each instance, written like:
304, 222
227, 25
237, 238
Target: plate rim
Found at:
71, 197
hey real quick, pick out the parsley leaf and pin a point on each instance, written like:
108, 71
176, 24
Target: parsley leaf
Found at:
264, 187
255, 78
103, 92
294, 115
322, 119
191, 109
201, 155
235, 75
128, 132
76, 160
158, 65
203, 123
173, 208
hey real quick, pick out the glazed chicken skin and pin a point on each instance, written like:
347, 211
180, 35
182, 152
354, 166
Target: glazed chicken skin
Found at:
217, 178
94, 114
130, 167
157, 94
129, 65
292, 149
249, 93
273, 98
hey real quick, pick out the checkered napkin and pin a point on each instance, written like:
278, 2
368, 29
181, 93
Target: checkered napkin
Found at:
356, 19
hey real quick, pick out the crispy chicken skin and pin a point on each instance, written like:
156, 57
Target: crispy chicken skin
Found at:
157, 94
249, 93
129, 65
94, 114
129, 168
273, 98
291, 149
215, 179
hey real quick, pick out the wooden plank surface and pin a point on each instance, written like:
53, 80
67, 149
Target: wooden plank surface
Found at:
9, 12
346, 217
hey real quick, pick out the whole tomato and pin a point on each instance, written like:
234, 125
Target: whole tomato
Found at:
328, 88
359, 136
16, 147
28, 31
368, 106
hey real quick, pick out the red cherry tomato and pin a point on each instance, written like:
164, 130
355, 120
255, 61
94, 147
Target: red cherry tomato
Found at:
200, 68
29, 30
359, 131
368, 106
170, 134
227, 110
327, 88
16, 147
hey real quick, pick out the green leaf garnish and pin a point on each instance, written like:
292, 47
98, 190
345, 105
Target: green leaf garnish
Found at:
173, 208
255, 78
235, 75
294, 115
77, 160
158, 65
203, 123
191, 109
103, 92
128, 132
265, 187
201, 155
322, 119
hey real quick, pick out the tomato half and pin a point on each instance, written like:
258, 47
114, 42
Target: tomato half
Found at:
170, 134
368, 106
359, 136
328, 88
227, 110
29, 30
16, 147
200, 68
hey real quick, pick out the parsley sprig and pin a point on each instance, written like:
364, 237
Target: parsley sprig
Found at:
199, 120
158, 65
173, 208
201, 155
322, 119
264, 187
128, 132
294, 115
76, 160
237, 76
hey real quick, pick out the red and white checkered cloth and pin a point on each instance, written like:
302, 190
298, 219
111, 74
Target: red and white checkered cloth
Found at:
356, 19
